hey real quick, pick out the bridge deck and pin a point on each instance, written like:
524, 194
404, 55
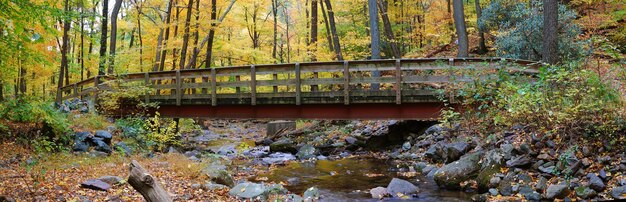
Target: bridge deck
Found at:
408, 88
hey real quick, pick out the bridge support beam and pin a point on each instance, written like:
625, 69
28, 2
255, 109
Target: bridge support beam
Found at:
406, 111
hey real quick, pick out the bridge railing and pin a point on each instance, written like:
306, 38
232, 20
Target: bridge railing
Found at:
404, 80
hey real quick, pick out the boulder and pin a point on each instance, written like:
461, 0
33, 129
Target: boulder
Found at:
542, 184
451, 175
403, 187
619, 192
306, 152
585, 192
248, 190
491, 164
519, 161
105, 135
311, 194
557, 191
595, 182
379, 192
456, 150
436, 153
100, 145
219, 174
96, 185
212, 186
276, 189
81, 141
283, 145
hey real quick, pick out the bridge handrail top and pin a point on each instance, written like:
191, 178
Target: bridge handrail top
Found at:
479, 59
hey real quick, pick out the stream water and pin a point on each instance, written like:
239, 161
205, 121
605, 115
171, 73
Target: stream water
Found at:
350, 179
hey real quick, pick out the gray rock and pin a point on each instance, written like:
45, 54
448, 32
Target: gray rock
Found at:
311, 194
519, 161
622, 182
306, 152
585, 192
558, 191
595, 182
293, 198
534, 196
494, 181
542, 184
436, 153
451, 175
112, 180
278, 158
456, 150
276, 189
284, 145
480, 197
351, 140
549, 170
257, 152
406, 146
219, 174
105, 135
101, 145
507, 150
493, 192
401, 186
96, 185
602, 174
431, 174
619, 192
248, 190
506, 189
379, 192
81, 141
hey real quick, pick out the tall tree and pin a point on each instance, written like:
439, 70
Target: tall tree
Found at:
274, 14
211, 35
313, 40
116, 11
374, 37
64, 47
550, 31
461, 32
382, 4
168, 15
333, 30
329, 37
183, 50
103, 36
482, 48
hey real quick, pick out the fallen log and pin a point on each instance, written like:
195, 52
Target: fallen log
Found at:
146, 184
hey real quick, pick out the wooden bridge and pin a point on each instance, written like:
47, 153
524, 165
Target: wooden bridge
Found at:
408, 88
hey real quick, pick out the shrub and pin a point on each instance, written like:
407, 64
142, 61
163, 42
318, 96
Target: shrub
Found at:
559, 100
519, 30
124, 94
161, 133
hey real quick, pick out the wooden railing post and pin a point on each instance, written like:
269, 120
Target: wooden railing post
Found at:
238, 89
213, 87
398, 82
178, 88
275, 78
252, 85
96, 82
298, 86
146, 81
346, 83
75, 90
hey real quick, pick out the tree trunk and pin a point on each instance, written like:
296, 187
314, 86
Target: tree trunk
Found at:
482, 48
374, 38
66, 29
388, 31
116, 11
103, 37
288, 38
1, 91
209, 48
167, 35
82, 42
328, 35
149, 187
196, 38
313, 39
550, 31
183, 50
333, 30
175, 50
274, 12
461, 32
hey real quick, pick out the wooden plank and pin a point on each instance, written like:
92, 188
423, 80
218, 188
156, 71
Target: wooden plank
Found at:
147, 84
213, 87
367, 80
298, 85
275, 83
398, 82
346, 83
233, 84
252, 85
322, 81
179, 92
